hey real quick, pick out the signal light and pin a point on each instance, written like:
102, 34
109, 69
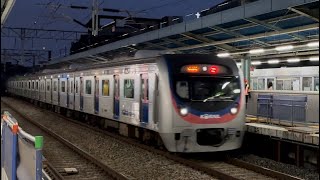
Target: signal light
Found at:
193, 69
214, 70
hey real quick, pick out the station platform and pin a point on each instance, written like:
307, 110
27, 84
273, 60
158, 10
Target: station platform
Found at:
306, 133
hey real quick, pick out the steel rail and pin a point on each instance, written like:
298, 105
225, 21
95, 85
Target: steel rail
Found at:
106, 168
190, 163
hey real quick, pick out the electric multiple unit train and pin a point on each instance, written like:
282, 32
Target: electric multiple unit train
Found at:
192, 103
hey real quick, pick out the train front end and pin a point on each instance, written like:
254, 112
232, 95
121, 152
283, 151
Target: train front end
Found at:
207, 104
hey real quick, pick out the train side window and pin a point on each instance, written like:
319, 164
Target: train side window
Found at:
279, 85
147, 89
71, 87
306, 83
48, 86
261, 84
254, 83
63, 86
88, 86
55, 86
129, 88
105, 87
316, 83
77, 87
272, 81
182, 88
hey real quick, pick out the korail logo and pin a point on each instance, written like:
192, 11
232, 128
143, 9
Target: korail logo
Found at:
209, 116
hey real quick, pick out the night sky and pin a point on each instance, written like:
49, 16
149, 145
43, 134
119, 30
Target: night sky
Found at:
28, 14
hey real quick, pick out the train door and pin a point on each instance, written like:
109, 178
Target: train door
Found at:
88, 95
96, 95
81, 93
58, 90
63, 92
67, 91
37, 90
106, 96
144, 98
116, 102
77, 94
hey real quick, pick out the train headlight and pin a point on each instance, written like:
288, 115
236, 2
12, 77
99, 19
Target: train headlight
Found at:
184, 111
234, 110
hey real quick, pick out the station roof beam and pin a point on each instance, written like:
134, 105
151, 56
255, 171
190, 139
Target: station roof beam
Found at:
272, 27
206, 40
312, 14
237, 35
252, 37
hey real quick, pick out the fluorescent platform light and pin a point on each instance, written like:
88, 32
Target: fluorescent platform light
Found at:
314, 58
274, 61
256, 63
313, 44
256, 51
293, 60
223, 55
284, 48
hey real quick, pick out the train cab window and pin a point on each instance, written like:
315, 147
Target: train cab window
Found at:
88, 86
37, 85
316, 83
105, 87
55, 86
29, 85
129, 88
306, 83
63, 86
182, 89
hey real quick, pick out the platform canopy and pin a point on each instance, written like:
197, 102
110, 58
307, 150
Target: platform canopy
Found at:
6, 7
260, 24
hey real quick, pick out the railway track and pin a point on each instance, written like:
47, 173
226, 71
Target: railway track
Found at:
228, 168
67, 161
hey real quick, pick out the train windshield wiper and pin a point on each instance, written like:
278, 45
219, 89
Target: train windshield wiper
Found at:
218, 97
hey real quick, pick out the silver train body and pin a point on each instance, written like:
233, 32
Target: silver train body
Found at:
195, 103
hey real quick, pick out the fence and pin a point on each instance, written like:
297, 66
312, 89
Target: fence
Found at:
21, 153
282, 107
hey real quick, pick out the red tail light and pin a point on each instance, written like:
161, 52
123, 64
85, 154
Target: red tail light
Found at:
214, 70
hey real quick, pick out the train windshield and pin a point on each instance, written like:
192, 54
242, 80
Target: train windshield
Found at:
208, 93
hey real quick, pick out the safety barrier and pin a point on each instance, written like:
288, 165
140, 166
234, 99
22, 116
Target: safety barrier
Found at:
264, 106
21, 153
282, 107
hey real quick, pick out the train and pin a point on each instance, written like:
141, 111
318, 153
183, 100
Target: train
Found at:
303, 79
186, 102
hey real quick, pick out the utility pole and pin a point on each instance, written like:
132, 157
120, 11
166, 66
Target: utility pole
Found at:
5, 61
95, 17
33, 63
22, 37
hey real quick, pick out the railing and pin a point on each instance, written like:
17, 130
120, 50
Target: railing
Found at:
282, 107
21, 153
